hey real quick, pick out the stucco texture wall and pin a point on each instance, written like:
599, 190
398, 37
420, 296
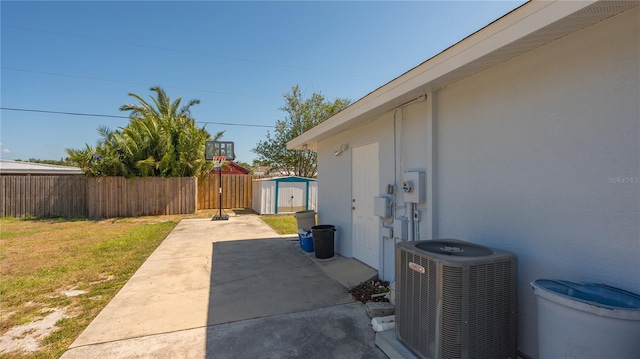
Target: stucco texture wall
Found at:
541, 156
334, 172
334, 177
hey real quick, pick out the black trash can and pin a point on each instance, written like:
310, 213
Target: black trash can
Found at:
323, 240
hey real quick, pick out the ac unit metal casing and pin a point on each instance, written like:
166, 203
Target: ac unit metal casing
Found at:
456, 300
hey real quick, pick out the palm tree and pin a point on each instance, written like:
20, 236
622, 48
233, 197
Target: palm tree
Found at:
161, 139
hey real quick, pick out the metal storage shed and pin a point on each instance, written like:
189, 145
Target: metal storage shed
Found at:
284, 195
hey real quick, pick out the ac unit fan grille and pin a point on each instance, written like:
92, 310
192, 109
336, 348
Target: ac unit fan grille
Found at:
456, 311
420, 330
490, 307
452, 316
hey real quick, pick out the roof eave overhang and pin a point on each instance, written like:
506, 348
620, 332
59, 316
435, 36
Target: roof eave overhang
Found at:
32, 171
529, 26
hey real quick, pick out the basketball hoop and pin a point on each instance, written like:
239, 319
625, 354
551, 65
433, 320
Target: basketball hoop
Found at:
218, 152
218, 161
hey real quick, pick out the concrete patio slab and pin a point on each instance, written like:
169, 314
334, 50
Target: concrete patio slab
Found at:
340, 332
264, 277
334, 332
347, 271
228, 289
170, 291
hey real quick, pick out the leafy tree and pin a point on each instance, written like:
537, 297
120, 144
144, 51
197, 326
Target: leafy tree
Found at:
161, 140
302, 114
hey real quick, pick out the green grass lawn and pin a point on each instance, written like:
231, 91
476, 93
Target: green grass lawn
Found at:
69, 267
281, 223
73, 268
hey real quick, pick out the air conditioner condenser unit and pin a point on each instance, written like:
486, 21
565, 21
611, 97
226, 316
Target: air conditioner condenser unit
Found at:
456, 300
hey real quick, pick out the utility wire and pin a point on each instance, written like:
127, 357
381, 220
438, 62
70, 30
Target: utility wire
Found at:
60, 112
186, 51
127, 117
132, 82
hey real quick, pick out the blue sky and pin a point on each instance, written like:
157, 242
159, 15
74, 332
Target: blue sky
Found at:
238, 58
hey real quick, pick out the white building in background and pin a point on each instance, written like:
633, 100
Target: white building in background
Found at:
9, 167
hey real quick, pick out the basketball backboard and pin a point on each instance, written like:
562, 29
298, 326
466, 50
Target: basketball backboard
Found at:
219, 148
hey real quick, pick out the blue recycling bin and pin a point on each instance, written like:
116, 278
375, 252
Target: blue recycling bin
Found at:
306, 241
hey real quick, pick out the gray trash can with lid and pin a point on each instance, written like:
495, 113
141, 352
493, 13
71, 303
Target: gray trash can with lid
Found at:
586, 320
305, 219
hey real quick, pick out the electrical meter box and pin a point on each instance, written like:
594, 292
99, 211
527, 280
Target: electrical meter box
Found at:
382, 206
400, 229
413, 187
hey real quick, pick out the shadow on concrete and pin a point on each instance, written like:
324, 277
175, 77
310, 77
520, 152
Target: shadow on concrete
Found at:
268, 300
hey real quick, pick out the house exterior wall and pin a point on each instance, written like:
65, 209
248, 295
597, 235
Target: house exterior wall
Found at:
541, 156
334, 172
334, 177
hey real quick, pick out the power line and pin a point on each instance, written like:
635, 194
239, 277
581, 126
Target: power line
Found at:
131, 82
60, 112
186, 51
127, 117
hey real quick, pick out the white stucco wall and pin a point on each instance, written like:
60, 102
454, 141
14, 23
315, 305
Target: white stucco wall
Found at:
334, 176
541, 156
334, 172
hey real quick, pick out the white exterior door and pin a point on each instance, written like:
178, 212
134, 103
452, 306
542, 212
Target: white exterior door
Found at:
364, 187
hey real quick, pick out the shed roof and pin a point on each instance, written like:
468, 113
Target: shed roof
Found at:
230, 167
16, 167
288, 179
529, 26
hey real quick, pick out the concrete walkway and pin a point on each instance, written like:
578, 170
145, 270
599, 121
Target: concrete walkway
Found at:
233, 289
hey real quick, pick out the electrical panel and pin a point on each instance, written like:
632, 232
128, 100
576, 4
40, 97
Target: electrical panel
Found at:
413, 187
382, 206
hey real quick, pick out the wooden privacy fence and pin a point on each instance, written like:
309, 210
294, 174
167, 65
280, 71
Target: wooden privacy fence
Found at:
146, 196
108, 197
23, 196
236, 191
96, 197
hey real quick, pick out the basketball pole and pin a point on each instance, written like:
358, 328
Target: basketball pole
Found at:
218, 152
220, 216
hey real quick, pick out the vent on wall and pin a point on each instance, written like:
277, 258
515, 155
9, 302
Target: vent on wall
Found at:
456, 300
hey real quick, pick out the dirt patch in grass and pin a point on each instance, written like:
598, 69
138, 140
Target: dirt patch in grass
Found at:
26, 337
58, 274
